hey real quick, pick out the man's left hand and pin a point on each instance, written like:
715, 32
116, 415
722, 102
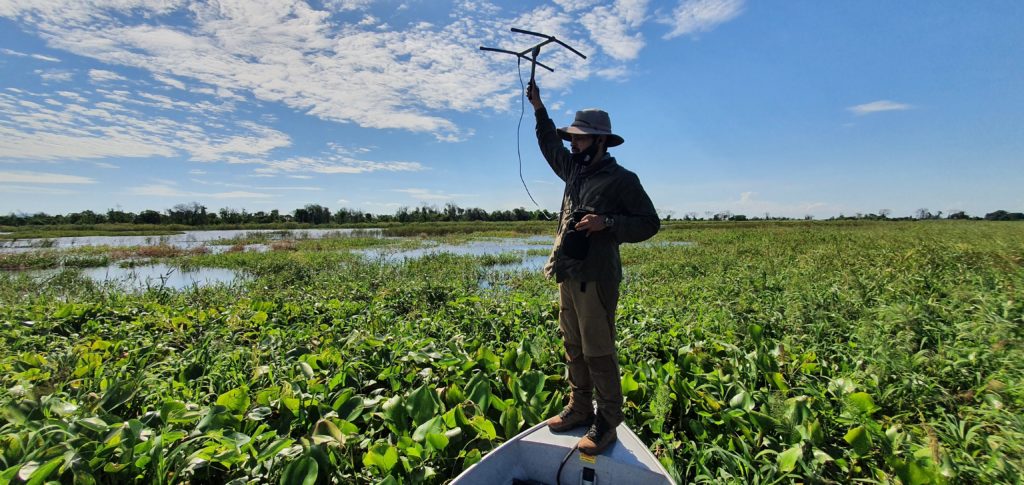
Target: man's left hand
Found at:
591, 223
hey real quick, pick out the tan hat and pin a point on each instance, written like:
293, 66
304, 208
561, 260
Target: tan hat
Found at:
591, 122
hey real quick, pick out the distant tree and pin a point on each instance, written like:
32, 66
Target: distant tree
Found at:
885, 213
119, 216
1001, 215
738, 217
923, 213
149, 217
192, 214
958, 215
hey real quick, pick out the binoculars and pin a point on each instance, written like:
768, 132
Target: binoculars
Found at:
575, 243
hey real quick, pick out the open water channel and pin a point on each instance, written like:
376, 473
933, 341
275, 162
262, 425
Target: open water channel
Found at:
142, 275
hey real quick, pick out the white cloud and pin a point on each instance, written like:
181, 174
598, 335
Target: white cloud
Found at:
427, 195
170, 81
316, 61
574, 5
27, 177
105, 165
85, 130
164, 190
33, 190
100, 75
345, 5
610, 27
693, 16
196, 171
331, 164
878, 107
45, 58
53, 75
40, 57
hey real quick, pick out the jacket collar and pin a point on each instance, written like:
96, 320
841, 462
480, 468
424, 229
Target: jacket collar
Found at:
606, 163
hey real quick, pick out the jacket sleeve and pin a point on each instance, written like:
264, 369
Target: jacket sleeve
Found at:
551, 146
639, 221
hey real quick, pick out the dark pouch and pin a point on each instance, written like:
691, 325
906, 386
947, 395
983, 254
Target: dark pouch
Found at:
575, 244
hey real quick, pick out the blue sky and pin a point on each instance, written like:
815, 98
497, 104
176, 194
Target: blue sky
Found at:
787, 108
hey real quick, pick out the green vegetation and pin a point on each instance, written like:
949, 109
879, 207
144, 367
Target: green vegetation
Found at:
764, 352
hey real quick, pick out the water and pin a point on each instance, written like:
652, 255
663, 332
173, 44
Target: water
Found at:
482, 247
185, 240
140, 278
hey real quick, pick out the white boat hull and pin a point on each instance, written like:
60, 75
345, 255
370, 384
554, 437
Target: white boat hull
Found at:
534, 456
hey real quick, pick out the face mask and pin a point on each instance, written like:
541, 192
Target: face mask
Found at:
585, 157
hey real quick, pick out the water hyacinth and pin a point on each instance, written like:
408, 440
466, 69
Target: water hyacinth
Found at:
821, 352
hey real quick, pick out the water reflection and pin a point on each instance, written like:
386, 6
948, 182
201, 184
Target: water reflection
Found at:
480, 247
185, 240
140, 278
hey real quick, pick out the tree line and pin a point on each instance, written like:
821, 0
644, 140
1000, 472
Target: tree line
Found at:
196, 214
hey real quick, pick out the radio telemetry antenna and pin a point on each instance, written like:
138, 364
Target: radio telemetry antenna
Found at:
534, 51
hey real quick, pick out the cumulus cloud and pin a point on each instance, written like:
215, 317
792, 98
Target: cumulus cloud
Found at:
878, 107
336, 63
613, 28
693, 16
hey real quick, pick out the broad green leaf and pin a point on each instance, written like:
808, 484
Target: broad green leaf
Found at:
395, 413
259, 318
511, 420
326, 431
471, 458
307, 370
274, 448
93, 424
484, 427
422, 404
478, 389
302, 471
259, 414
381, 455
756, 331
860, 441
787, 459
777, 379
629, 384
437, 441
742, 400
862, 402
430, 426
235, 400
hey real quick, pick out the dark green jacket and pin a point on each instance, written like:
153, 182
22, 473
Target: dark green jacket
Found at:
605, 188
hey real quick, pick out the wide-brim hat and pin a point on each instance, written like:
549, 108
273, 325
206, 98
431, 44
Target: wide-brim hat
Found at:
591, 122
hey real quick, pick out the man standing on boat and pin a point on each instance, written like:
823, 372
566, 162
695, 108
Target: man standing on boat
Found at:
603, 206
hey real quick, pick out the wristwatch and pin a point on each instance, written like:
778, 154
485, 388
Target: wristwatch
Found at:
609, 222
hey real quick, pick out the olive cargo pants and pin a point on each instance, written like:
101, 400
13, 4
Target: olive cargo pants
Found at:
586, 318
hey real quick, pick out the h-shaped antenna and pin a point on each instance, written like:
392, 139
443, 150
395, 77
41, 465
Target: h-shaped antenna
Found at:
534, 51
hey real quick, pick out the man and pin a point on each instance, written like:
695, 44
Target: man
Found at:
603, 206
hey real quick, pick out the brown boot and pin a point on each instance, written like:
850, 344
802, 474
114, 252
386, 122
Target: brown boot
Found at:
569, 419
600, 436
